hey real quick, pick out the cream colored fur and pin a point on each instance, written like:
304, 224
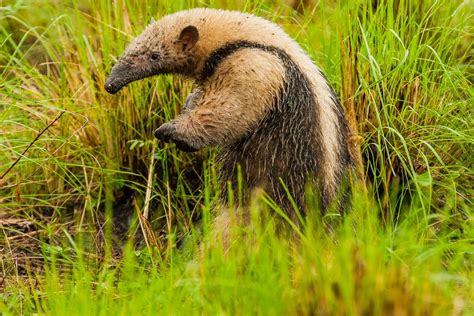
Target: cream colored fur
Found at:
233, 105
233, 26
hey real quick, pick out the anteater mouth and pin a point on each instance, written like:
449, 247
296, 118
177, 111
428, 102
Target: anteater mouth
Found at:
112, 88
121, 75
116, 81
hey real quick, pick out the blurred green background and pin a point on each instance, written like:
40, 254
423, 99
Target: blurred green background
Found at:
73, 241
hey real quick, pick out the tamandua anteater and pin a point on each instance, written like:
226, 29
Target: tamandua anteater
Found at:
258, 96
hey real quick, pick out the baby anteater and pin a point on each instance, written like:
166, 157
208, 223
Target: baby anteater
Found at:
257, 96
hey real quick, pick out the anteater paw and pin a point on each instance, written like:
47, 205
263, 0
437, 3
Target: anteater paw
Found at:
168, 133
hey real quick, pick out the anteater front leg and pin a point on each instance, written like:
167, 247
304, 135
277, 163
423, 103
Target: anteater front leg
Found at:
168, 132
192, 100
229, 105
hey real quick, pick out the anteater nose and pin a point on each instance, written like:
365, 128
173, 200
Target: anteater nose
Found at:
109, 87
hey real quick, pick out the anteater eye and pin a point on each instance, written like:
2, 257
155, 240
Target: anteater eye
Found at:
154, 56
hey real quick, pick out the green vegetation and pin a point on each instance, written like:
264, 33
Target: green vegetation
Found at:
404, 73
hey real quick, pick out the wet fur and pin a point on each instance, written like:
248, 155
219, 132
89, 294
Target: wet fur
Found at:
258, 97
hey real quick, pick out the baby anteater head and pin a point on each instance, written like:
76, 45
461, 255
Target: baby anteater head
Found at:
158, 50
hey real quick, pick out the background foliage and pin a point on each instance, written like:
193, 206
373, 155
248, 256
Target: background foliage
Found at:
404, 73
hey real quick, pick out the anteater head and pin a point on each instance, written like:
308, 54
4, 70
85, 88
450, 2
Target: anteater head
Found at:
158, 50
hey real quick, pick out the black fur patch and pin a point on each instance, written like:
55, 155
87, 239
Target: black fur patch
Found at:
222, 53
288, 142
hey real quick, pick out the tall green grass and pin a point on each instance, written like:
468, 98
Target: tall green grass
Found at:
359, 268
404, 73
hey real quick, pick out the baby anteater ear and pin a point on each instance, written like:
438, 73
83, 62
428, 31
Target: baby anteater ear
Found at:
189, 37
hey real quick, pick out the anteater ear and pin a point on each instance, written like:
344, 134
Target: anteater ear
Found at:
188, 37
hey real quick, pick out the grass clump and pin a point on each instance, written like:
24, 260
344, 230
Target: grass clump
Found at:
404, 72
357, 269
